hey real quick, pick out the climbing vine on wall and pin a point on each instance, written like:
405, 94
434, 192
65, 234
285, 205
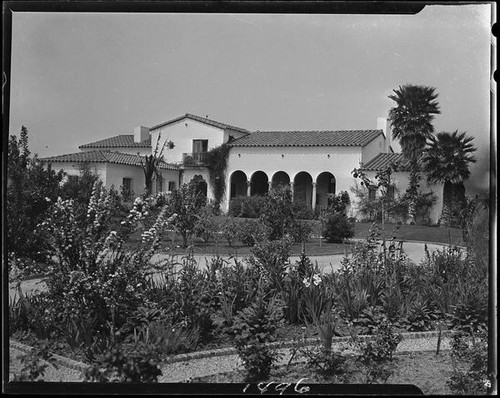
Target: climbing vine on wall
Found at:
217, 162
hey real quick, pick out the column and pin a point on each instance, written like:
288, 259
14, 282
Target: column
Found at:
249, 186
314, 197
291, 189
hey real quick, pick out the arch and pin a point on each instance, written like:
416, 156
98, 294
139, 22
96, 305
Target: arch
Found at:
200, 184
280, 178
325, 184
238, 184
259, 184
302, 189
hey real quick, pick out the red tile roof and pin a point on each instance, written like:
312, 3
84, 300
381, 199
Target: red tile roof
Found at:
205, 120
104, 157
383, 160
124, 141
308, 138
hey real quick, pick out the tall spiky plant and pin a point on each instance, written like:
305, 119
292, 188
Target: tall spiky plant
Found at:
411, 122
447, 160
151, 164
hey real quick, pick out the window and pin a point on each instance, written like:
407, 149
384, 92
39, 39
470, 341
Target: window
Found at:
371, 193
127, 188
200, 146
171, 186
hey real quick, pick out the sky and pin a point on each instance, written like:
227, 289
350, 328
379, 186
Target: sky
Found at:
81, 77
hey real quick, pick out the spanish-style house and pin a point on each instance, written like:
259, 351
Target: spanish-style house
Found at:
313, 163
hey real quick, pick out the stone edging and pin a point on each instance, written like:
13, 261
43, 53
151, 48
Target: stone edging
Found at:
60, 360
81, 366
289, 344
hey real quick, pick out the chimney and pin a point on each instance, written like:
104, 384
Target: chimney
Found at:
141, 134
384, 125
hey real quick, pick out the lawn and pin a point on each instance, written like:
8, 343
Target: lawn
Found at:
315, 246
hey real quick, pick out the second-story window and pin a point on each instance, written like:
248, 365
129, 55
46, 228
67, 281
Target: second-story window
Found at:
200, 146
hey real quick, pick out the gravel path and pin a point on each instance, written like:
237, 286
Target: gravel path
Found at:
200, 366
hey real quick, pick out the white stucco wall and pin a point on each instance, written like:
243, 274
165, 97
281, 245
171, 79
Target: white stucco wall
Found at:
401, 181
74, 169
373, 148
182, 134
339, 161
116, 172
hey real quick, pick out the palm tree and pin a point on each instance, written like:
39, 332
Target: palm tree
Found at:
447, 160
411, 122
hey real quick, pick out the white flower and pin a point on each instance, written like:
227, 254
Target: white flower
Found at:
306, 282
487, 383
317, 279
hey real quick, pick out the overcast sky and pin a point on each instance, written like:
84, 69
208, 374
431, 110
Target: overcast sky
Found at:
81, 77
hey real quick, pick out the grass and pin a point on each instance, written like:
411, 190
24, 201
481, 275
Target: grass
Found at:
315, 246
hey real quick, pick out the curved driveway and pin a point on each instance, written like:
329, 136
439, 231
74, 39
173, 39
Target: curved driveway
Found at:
414, 250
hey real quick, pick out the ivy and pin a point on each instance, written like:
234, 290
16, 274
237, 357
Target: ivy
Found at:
217, 162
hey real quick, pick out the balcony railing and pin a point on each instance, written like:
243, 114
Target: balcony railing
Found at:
195, 159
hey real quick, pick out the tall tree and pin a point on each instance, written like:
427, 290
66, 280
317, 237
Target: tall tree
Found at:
411, 122
29, 185
446, 160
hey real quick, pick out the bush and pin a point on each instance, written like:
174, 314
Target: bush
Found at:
252, 231
139, 365
186, 203
302, 212
469, 353
230, 229
337, 228
246, 206
300, 232
253, 328
207, 226
377, 355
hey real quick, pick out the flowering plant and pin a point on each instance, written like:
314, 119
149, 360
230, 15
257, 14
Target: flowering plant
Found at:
320, 308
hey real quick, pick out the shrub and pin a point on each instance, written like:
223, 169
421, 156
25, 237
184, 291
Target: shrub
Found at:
338, 203
230, 230
469, 353
270, 257
300, 231
277, 213
253, 328
303, 212
186, 203
246, 206
252, 231
377, 355
29, 184
207, 226
138, 365
337, 228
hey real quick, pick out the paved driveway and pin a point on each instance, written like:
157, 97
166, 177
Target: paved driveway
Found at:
414, 250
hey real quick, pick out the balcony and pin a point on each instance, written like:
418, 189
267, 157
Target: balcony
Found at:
195, 159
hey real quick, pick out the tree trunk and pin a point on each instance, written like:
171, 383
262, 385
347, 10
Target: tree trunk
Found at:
446, 211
